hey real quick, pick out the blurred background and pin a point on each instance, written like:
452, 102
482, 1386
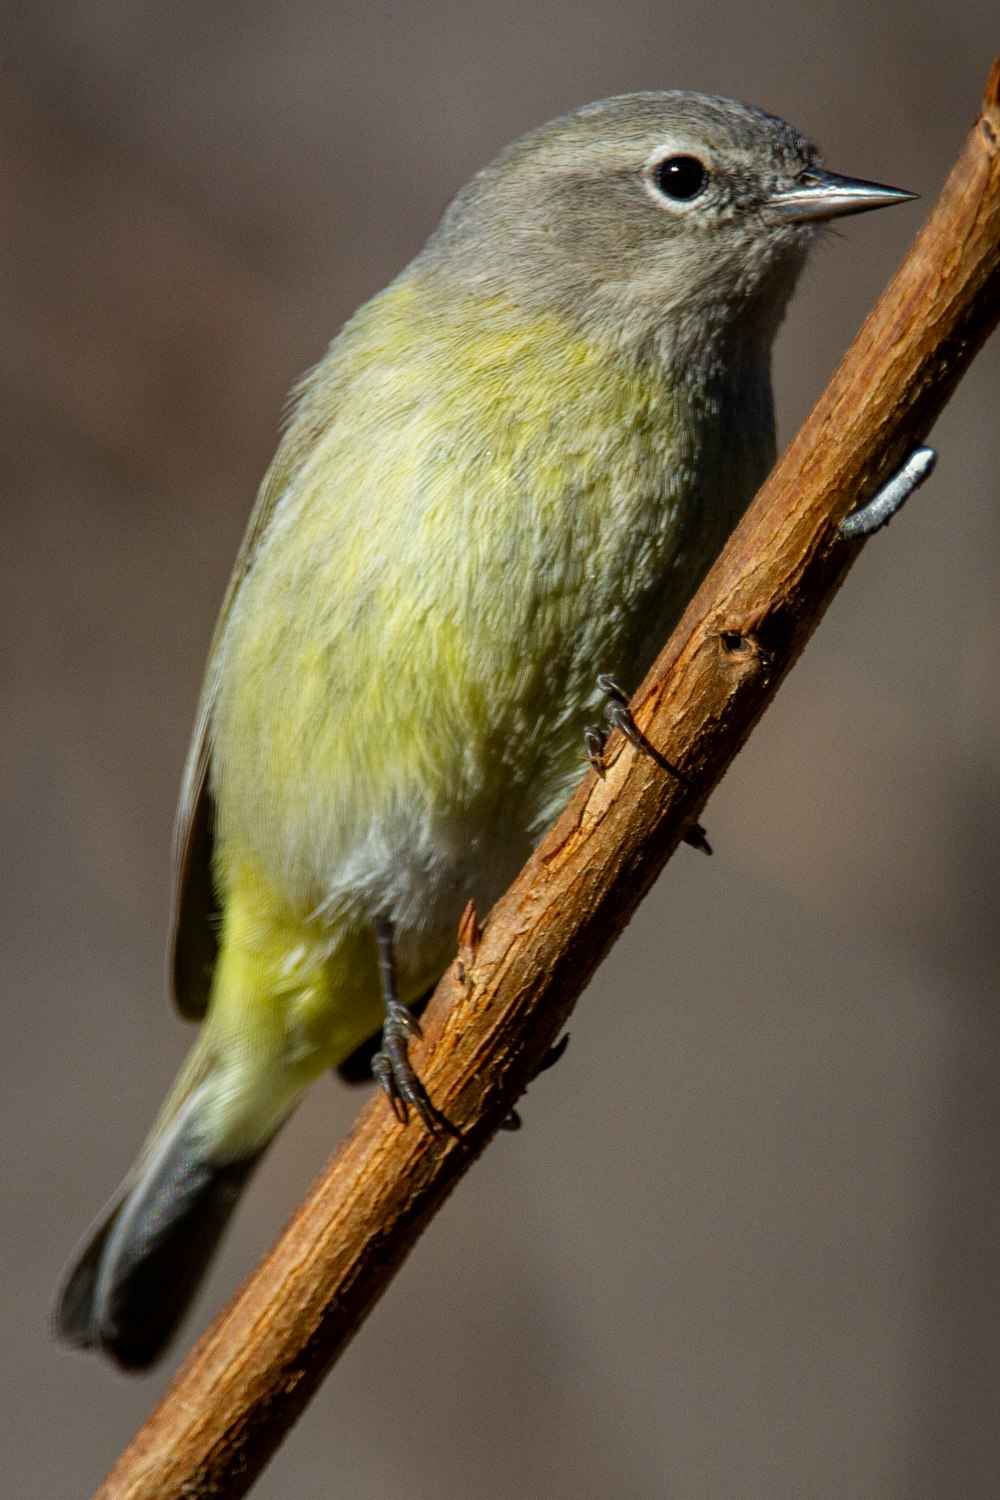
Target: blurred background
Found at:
748, 1241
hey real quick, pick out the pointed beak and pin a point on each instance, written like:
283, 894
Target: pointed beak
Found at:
827, 195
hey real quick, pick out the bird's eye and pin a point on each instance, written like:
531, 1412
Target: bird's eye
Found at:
680, 177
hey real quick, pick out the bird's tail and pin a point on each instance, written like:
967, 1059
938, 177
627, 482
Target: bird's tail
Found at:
139, 1267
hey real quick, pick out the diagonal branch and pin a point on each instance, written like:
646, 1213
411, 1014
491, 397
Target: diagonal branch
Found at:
503, 1002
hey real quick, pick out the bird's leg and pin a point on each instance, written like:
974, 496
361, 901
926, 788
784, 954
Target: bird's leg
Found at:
619, 716
391, 1066
893, 495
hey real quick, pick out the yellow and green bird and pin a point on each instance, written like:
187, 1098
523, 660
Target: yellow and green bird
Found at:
508, 474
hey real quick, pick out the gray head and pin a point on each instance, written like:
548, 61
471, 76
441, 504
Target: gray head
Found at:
649, 213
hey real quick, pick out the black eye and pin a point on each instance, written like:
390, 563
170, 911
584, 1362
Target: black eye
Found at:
680, 177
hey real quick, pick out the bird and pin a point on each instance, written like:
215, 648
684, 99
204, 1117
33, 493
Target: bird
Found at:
507, 475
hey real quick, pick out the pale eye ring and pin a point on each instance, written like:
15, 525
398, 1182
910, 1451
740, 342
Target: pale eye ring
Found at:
680, 178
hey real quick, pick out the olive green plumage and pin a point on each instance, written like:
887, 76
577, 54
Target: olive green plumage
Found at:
508, 474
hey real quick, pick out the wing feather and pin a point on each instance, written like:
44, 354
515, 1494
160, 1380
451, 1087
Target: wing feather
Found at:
194, 928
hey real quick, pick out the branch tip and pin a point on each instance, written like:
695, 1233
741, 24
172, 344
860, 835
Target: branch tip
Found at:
470, 935
991, 95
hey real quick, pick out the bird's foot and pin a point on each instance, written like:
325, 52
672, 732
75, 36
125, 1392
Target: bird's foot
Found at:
552, 1056
619, 716
391, 1066
891, 498
395, 1074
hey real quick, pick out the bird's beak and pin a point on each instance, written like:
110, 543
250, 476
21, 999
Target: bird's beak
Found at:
827, 195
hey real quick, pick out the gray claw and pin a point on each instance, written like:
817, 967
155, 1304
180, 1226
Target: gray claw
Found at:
619, 716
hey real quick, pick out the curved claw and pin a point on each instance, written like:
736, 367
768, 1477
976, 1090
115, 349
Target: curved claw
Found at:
395, 1074
698, 838
619, 716
384, 1076
594, 740
554, 1053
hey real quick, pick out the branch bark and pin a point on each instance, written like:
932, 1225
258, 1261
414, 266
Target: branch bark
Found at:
509, 992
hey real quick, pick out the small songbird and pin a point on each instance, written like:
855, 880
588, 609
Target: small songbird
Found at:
508, 474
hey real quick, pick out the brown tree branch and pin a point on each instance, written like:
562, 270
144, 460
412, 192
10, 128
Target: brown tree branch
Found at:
509, 993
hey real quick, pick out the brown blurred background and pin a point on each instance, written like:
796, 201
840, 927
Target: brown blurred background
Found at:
748, 1242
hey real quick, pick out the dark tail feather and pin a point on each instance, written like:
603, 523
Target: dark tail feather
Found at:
133, 1280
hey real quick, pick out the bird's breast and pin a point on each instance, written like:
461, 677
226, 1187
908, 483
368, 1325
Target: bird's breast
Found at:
477, 533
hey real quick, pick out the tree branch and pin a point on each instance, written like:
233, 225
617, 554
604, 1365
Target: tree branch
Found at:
506, 998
